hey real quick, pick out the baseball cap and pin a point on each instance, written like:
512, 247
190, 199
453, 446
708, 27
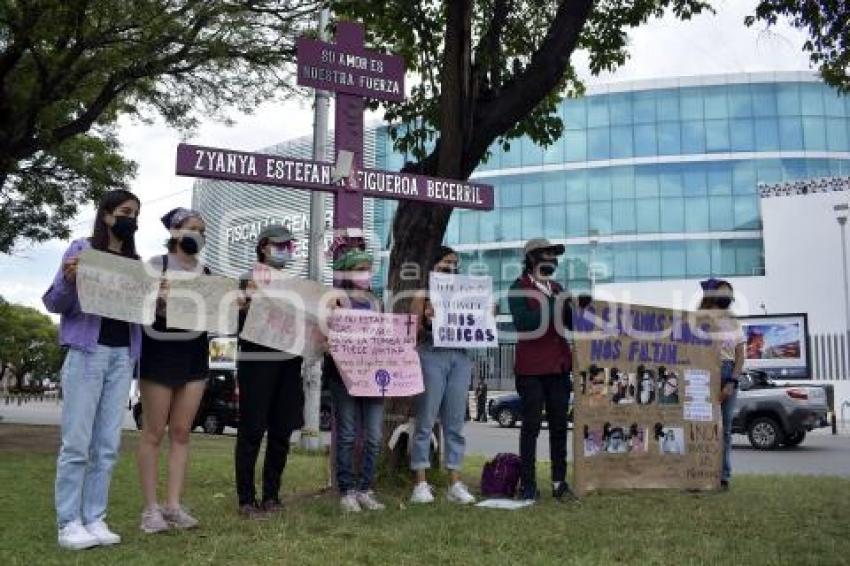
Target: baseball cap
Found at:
540, 244
276, 234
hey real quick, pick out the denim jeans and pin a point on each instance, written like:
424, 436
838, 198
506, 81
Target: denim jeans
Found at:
351, 414
446, 374
95, 389
726, 410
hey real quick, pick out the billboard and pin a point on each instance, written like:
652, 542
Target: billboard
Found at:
777, 344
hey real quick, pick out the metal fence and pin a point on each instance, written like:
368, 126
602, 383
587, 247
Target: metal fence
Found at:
496, 365
829, 356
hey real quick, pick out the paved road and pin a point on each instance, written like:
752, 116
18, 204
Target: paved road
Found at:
820, 454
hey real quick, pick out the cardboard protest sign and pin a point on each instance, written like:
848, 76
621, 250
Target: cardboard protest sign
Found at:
202, 302
647, 409
116, 287
463, 311
375, 353
285, 316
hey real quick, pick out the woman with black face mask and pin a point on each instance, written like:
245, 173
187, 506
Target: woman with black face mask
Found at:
718, 296
174, 369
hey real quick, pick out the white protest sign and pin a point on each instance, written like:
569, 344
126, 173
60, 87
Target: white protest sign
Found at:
463, 311
285, 316
116, 287
202, 302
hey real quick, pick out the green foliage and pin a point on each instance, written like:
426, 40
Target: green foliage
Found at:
827, 24
70, 68
28, 342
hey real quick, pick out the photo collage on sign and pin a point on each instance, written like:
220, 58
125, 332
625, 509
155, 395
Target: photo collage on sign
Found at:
646, 386
615, 439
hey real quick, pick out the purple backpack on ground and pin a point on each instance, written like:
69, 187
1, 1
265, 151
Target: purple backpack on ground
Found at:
500, 476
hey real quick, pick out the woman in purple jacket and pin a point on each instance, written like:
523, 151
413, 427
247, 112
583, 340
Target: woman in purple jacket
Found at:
96, 377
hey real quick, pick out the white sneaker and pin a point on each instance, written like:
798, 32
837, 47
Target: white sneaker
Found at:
367, 501
349, 503
457, 493
422, 493
74, 536
101, 532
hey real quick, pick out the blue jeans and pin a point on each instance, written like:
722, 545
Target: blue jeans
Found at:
726, 410
95, 389
445, 374
351, 414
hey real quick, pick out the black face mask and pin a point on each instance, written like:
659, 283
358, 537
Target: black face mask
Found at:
548, 268
124, 227
190, 245
723, 302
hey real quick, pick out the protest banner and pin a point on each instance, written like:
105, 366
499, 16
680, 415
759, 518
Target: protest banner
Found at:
202, 302
375, 353
463, 311
647, 409
116, 287
285, 315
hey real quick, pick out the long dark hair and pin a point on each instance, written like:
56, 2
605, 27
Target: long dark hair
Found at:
442, 252
708, 298
100, 234
172, 242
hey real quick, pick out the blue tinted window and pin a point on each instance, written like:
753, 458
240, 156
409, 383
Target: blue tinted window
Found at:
695, 181
622, 182
720, 211
512, 157
555, 152
791, 133
814, 134
693, 136
620, 107
723, 257
690, 104
510, 194
597, 111
576, 186
489, 225
668, 105
554, 190
766, 134
644, 107
747, 212
836, 135
716, 135
744, 178
673, 214
532, 222
574, 113
719, 179
647, 212
699, 258
598, 144
769, 171
532, 154
646, 182
624, 216
833, 103
599, 184
741, 134
670, 184
811, 99
575, 145
511, 224
715, 103
576, 220
696, 214
554, 221
764, 99
621, 142
453, 231
532, 194
625, 262
468, 227
648, 260
740, 101
603, 263
748, 257
646, 142
669, 138
788, 99
600, 216
673, 260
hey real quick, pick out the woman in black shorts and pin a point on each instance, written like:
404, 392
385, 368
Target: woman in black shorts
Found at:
173, 373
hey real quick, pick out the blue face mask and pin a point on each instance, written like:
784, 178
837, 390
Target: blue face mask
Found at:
278, 257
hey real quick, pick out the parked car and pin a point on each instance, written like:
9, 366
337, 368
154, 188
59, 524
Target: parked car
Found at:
773, 415
219, 406
507, 410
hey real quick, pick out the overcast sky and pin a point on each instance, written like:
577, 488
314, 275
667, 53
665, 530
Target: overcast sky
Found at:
666, 48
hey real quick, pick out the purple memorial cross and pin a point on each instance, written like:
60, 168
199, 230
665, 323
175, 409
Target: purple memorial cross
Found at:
354, 73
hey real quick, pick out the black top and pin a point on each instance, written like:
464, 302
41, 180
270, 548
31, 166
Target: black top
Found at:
114, 333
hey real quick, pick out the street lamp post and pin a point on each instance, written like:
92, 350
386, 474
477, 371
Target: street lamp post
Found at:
842, 211
594, 242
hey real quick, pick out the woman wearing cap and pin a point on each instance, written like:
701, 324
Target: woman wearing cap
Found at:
353, 273
173, 371
543, 363
718, 296
446, 373
96, 376
271, 393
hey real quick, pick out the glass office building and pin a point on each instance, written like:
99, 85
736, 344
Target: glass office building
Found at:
652, 180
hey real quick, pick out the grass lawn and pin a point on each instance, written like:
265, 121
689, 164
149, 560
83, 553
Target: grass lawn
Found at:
763, 520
